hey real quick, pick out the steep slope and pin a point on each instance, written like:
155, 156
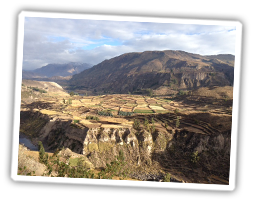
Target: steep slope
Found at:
135, 72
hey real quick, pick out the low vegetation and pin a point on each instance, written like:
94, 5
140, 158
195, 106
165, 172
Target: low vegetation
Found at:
167, 177
161, 118
76, 121
37, 89
75, 167
27, 165
136, 124
195, 157
115, 168
122, 113
105, 113
72, 93
90, 117
143, 111
181, 92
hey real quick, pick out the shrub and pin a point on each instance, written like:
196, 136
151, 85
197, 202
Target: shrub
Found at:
167, 177
194, 157
42, 91
115, 168
76, 121
105, 113
90, 117
37, 89
152, 129
146, 123
182, 92
173, 81
136, 124
150, 93
72, 93
43, 157
176, 110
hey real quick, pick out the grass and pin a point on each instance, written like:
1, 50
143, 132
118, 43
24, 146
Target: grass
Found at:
73, 161
76, 121
109, 110
156, 104
143, 111
131, 104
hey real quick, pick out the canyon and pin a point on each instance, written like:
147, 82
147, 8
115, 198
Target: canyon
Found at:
187, 135
160, 115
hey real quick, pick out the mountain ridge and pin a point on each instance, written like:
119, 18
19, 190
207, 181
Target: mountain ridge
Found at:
131, 72
56, 70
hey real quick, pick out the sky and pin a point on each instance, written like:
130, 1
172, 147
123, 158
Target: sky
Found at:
59, 40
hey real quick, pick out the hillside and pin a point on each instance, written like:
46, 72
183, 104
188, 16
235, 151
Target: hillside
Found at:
53, 70
34, 90
181, 138
137, 72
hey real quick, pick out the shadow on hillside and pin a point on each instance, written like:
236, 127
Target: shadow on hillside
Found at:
200, 101
38, 105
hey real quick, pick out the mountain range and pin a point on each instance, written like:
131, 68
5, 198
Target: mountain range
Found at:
56, 70
157, 70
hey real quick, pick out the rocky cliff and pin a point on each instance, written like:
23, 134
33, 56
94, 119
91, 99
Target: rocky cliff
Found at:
163, 149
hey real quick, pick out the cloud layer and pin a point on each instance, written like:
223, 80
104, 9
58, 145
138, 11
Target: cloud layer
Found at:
56, 40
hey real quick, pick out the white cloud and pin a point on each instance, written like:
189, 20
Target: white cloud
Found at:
62, 40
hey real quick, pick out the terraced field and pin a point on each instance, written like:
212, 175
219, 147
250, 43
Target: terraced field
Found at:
123, 109
194, 118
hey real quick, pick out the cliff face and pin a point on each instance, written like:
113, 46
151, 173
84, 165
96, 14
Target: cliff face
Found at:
175, 147
99, 144
203, 79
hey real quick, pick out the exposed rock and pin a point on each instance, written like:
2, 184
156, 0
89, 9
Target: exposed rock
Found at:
137, 72
67, 153
100, 146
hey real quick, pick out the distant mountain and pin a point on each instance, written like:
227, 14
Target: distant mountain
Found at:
228, 58
30, 75
138, 71
56, 70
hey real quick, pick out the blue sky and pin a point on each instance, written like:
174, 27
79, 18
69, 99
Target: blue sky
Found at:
59, 40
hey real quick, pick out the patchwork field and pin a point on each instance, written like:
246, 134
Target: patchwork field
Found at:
204, 113
109, 109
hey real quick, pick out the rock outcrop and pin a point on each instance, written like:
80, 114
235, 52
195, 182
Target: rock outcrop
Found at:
100, 145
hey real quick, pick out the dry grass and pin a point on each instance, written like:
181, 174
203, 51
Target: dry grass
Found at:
48, 112
157, 108
28, 162
217, 92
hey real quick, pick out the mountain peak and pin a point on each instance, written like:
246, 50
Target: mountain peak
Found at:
135, 71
